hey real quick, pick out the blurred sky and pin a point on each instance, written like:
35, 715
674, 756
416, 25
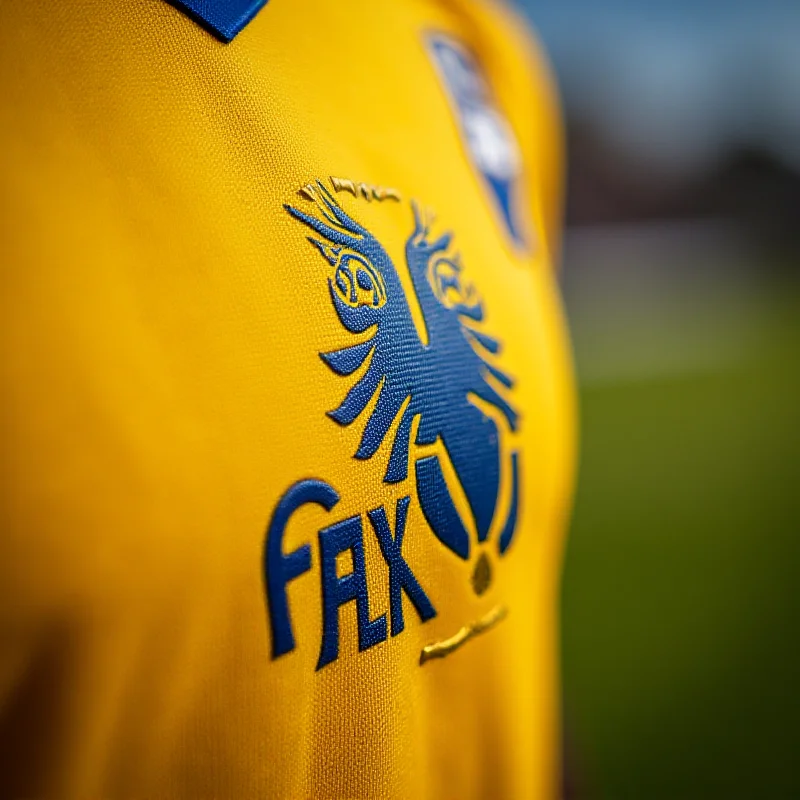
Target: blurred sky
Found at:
681, 82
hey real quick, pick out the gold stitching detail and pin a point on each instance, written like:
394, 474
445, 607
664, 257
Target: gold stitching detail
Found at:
364, 190
482, 575
447, 646
309, 192
344, 185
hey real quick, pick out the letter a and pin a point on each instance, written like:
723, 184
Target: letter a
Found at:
345, 535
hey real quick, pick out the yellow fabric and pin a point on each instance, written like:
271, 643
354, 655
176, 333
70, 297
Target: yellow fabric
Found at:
161, 320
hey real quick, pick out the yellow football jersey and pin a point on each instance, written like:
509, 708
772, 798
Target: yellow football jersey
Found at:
286, 401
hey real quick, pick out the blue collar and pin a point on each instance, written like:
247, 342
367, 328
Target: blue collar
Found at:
222, 18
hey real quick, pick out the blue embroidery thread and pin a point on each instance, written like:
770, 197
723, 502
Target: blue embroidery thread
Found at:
336, 591
279, 569
401, 578
432, 381
436, 382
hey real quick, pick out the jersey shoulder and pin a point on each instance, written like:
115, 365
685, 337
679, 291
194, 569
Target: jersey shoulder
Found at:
517, 66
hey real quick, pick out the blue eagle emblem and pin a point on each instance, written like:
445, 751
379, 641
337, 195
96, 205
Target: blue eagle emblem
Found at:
432, 380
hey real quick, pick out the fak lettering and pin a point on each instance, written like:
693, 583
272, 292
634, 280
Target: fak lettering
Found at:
348, 534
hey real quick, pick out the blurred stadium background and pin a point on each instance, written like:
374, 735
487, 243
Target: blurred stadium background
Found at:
681, 276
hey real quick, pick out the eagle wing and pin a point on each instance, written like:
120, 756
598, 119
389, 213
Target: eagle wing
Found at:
393, 352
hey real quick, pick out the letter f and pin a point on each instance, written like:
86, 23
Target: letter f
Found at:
279, 569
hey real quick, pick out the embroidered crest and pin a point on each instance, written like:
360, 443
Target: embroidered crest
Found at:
430, 385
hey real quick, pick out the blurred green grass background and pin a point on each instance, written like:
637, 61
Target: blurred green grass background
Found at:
680, 590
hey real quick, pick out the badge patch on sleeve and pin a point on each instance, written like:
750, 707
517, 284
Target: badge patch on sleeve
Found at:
223, 18
489, 140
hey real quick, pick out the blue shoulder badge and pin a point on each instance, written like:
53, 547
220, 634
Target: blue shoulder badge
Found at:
222, 18
489, 140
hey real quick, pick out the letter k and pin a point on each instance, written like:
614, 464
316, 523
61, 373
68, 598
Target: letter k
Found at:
401, 578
